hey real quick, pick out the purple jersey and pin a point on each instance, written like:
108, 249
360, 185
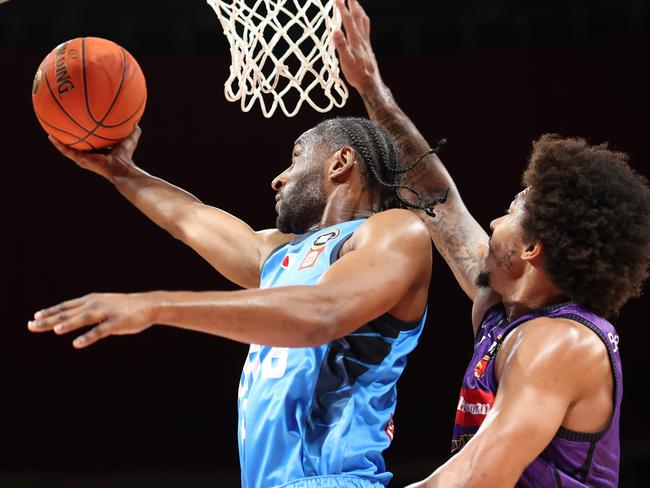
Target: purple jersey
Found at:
572, 459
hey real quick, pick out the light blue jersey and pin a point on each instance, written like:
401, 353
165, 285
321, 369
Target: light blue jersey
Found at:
320, 411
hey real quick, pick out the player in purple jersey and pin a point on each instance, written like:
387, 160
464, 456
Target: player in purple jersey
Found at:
540, 401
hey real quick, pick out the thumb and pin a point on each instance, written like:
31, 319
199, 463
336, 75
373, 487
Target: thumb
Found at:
129, 144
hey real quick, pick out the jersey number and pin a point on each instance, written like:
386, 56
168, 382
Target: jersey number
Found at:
275, 363
274, 366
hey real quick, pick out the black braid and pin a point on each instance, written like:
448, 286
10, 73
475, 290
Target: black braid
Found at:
409, 167
380, 142
369, 160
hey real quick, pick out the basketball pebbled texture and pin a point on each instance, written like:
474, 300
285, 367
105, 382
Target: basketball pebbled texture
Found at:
89, 93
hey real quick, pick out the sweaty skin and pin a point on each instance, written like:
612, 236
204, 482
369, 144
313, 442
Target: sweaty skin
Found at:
555, 366
384, 267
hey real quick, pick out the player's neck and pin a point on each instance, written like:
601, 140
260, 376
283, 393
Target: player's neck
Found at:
532, 290
347, 202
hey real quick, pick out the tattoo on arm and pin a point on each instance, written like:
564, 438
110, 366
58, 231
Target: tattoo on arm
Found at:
455, 233
383, 109
459, 240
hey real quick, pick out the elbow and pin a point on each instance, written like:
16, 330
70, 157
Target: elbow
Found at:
179, 233
177, 225
176, 231
479, 479
324, 324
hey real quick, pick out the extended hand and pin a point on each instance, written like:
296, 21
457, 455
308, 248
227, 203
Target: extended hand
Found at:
114, 314
116, 162
357, 59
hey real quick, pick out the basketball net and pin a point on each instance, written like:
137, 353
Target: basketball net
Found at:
282, 54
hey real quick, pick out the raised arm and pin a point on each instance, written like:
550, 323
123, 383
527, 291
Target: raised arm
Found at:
386, 269
455, 233
227, 243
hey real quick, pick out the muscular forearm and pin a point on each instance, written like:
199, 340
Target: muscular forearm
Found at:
455, 233
462, 243
228, 244
162, 202
252, 316
430, 174
231, 246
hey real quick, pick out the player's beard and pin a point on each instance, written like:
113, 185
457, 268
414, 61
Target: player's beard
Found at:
483, 279
301, 208
500, 254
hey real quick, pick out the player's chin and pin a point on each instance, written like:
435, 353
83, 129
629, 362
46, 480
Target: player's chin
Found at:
281, 224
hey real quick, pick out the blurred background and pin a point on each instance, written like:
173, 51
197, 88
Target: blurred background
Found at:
159, 409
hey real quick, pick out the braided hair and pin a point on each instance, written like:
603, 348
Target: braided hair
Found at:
377, 148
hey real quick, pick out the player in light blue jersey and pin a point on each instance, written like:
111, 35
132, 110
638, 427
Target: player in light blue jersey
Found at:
337, 300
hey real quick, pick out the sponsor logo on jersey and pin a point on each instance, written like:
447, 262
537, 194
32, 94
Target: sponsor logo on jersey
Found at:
317, 248
481, 366
458, 444
473, 406
288, 260
613, 338
322, 240
390, 428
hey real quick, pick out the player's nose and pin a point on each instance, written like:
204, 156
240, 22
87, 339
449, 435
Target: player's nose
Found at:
494, 223
279, 181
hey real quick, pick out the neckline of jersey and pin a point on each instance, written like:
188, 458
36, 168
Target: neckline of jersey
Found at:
535, 311
301, 237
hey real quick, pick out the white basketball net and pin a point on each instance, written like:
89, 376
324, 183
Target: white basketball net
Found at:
282, 54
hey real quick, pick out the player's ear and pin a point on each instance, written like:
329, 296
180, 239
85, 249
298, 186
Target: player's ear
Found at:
532, 252
341, 165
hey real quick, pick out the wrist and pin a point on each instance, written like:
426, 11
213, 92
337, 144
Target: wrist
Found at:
123, 172
158, 307
376, 94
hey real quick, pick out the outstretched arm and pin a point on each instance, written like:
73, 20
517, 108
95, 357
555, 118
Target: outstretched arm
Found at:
226, 242
387, 270
455, 233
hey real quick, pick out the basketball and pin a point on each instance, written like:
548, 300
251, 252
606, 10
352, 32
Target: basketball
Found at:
89, 93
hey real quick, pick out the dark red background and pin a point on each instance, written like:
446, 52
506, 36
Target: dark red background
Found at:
162, 406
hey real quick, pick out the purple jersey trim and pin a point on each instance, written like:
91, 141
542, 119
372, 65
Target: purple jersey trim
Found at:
573, 435
572, 459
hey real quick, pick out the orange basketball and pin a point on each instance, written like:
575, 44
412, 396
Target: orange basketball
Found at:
89, 93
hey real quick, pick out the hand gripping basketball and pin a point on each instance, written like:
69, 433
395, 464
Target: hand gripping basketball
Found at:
116, 162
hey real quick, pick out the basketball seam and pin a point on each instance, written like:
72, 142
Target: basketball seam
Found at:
64, 131
83, 74
128, 118
117, 92
99, 123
